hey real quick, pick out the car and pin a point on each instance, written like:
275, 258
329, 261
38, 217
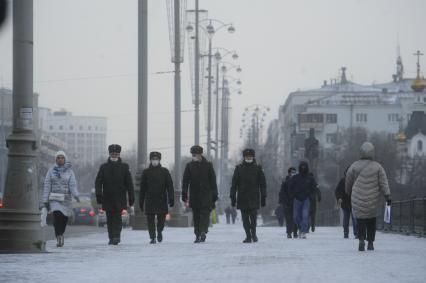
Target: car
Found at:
84, 215
125, 218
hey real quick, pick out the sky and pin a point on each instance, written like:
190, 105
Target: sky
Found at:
85, 56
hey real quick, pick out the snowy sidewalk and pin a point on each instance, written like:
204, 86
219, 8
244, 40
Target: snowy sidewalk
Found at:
324, 257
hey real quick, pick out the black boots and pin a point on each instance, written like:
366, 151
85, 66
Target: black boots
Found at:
370, 246
289, 236
197, 239
60, 241
203, 237
247, 240
254, 238
114, 241
361, 246
152, 241
160, 237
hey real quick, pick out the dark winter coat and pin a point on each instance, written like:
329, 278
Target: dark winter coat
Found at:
248, 185
284, 197
341, 194
114, 185
156, 190
199, 182
302, 185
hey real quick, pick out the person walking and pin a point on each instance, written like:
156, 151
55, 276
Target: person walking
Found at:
344, 202
114, 191
365, 181
233, 214
60, 186
301, 186
286, 200
248, 192
313, 199
156, 193
200, 188
228, 211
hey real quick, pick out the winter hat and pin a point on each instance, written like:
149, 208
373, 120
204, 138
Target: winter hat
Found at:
154, 154
196, 149
61, 153
114, 148
367, 151
248, 152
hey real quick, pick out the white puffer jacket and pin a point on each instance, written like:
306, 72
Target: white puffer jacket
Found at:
365, 181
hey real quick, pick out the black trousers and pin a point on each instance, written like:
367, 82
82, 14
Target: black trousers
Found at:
114, 224
366, 229
291, 227
59, 222
161, 219
249, 217
201, 220
312, 213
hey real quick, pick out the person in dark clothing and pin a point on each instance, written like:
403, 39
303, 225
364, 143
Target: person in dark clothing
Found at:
344, 201
113, 187
199, 183
156, 193
301, 186
279, 213
228, 211
313, 198
233, 214
287, 202
248, 192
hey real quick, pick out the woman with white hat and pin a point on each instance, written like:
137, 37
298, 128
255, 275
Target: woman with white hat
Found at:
59, 187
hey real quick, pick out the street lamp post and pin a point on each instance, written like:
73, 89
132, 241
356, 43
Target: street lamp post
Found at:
197, 77
20, 230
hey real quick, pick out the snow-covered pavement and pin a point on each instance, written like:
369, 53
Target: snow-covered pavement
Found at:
324, 257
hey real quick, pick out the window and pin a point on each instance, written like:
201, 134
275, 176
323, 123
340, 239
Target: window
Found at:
419, 146
361, 117
81, 128
71, 127
89, 128
331, 118
50, 127
331, 138
61, 127
393, 117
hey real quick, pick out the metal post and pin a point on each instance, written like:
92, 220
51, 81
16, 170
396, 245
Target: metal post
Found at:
424, 216
222, 137
216, 154
197, 76
177, 97
20, 229
139, 219
209, 101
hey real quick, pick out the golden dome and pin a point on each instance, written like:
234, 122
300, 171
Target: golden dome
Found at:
418, 85
401, 137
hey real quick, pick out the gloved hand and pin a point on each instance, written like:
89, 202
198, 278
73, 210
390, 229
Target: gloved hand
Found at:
47, 206
77, 199
263, 201
171, 202
233, 201
184, 197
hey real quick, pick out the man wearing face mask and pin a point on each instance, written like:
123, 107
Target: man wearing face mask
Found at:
199, 183
248, 192
286, 200
156, 193
113, 187
301, 187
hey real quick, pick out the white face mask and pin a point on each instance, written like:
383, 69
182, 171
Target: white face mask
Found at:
248, 160
155, 162
195, 158
115, 159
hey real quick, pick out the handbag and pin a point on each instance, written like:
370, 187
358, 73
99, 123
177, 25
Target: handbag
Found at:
57, 197
387, 214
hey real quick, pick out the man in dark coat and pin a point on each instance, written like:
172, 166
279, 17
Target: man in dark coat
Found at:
313, 198
248, 192
156, 193
113, 186
344, 201
287, 202
301, 186
199, 183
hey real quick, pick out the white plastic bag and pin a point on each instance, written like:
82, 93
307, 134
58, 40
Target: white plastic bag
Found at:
387, 214
43, 216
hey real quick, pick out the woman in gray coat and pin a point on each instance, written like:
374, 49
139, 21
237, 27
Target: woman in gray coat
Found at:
365, 181
59, 188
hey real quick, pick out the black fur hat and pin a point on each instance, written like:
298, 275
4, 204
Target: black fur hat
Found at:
114, 148
248, 152
154, 154
196, 149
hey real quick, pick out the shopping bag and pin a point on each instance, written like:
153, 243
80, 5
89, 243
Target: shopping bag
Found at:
387, 214
43, 216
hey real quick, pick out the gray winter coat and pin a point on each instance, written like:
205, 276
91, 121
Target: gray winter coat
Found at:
365, 181
60, 179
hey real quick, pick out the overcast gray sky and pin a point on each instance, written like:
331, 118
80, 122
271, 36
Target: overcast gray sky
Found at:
283, 45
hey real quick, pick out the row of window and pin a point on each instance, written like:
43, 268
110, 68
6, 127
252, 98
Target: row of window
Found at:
332, 118
81, 128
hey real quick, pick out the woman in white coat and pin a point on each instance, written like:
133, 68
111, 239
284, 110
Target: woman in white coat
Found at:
59, 187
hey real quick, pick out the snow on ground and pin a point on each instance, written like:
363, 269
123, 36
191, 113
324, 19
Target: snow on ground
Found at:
324, 257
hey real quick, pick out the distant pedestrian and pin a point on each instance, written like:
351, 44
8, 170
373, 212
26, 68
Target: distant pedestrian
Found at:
199, 186
228, 211
313, 199
344, 202
286, 200
366, 180
156, 193
60, 186
248, 192
301, 186
233, 214
114, 187
279, 213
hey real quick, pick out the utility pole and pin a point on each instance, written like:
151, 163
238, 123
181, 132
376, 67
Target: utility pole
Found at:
197, 75
216, 154
20, 230
209, 102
